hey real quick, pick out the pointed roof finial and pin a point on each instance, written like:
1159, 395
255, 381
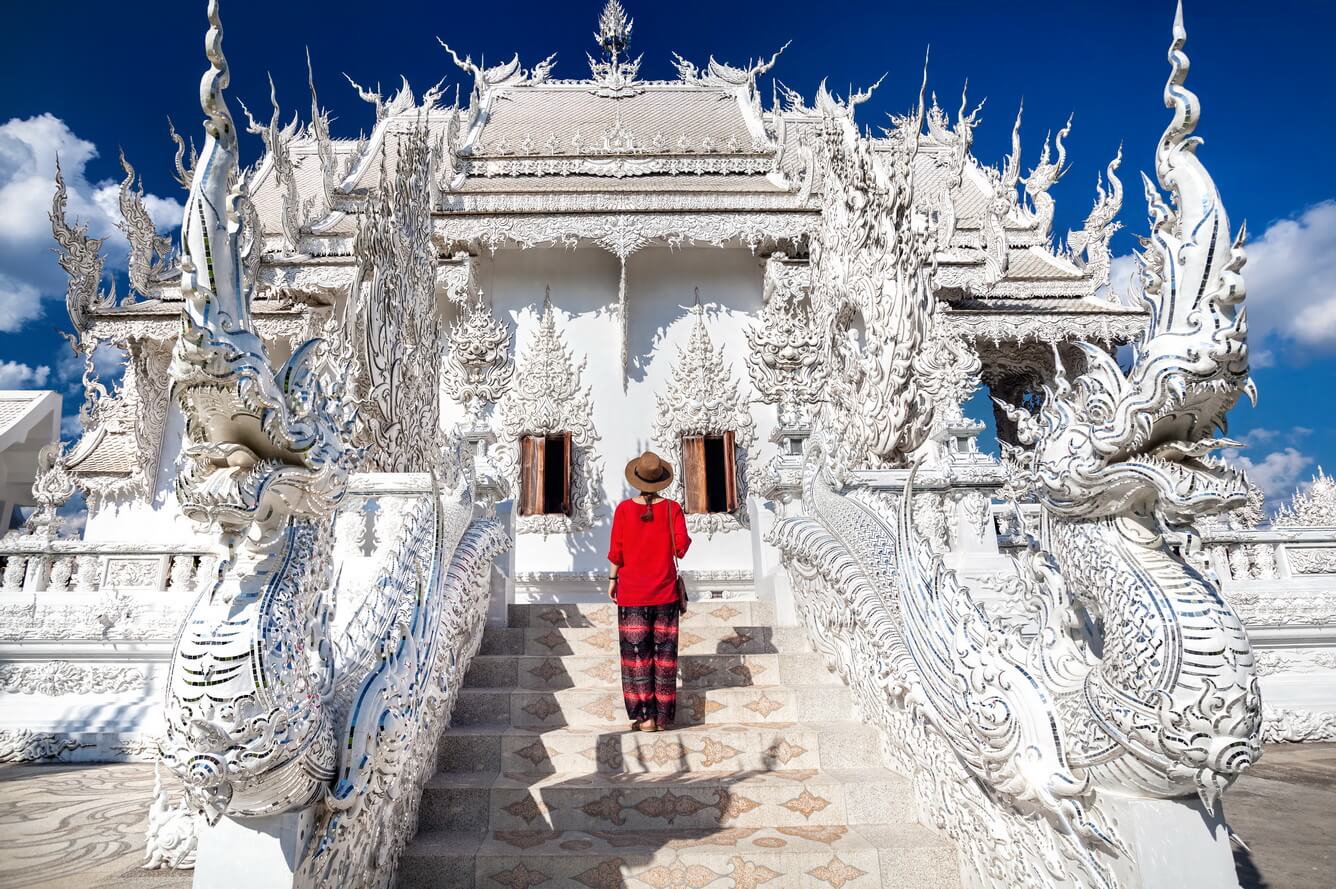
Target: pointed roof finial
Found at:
614, 30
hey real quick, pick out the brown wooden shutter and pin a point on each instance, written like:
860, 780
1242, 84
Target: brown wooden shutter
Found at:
532, 453
568, 466
730, 472
693, 474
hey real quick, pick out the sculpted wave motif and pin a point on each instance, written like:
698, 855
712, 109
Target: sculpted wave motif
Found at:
1112, 668
290, 690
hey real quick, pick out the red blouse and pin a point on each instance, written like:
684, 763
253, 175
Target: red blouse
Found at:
642, 551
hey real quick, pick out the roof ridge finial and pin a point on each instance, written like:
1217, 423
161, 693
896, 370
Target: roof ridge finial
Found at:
615, 73
614, 30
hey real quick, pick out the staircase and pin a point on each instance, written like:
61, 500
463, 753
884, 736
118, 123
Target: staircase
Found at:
768, 780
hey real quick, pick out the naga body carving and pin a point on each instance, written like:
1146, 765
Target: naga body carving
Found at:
296, 684
1111, 666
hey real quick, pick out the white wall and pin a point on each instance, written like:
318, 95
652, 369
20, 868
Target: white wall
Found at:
660, 291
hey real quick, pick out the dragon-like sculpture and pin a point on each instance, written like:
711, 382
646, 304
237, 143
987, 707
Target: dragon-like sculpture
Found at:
293, 687
1113, 668
1118, 458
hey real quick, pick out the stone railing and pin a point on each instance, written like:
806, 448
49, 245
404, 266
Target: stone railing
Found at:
1273, 554
85, 633
37, 565
1282, 583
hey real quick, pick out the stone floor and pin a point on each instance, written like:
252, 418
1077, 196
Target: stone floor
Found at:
66, 826
83, 826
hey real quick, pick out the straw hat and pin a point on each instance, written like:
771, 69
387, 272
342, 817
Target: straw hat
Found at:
649, 473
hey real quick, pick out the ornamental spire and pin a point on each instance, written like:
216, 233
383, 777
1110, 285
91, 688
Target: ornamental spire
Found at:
613, 74
614, 30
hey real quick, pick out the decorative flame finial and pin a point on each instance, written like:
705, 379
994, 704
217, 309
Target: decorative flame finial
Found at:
614, 30
614, 74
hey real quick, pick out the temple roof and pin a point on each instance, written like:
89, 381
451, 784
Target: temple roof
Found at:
567, 119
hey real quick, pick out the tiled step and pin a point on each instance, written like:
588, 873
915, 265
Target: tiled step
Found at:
637, 801
700, 639
544, 673
904, 856
711, 613
770, 704
741, 746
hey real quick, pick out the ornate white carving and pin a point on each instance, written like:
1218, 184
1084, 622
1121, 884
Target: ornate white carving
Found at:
614, 75
547, 398
1280, 725
173, 831
478, 369
394, 325
81, 258
21, 745
871, 270
1311, 508
150, 253
785, 359
64, 678
277, 142
703, 397
278, 701
674, 229
1047, 720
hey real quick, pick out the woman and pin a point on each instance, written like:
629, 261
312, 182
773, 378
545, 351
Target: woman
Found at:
649, 535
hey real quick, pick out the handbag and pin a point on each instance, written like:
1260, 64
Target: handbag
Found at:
672, 543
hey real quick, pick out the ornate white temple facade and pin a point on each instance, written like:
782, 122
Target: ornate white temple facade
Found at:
377, 400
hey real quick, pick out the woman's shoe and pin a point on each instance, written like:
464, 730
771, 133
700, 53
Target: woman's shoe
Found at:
648, 725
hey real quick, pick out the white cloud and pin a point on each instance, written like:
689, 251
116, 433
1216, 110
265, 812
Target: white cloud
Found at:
1123, 271
1291, 278
29, 275
14, 375
1277, 474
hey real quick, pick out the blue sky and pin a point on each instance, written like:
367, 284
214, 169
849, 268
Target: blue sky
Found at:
83, 78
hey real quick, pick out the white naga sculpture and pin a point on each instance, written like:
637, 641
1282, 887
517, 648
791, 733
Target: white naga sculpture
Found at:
294, 694
1114, 670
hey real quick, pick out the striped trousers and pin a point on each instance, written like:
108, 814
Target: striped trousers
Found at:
648, 636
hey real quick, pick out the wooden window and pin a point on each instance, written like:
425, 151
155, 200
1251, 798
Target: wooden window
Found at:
709, 473
545, 474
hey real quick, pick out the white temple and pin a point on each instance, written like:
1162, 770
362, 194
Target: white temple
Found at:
369, 437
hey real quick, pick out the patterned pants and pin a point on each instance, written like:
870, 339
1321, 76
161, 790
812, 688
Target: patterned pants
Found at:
649, 661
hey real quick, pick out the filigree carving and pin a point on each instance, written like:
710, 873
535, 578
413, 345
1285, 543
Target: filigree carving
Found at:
394, 325
150, 253
22, 745
785, 359
172, 837
615, 75
1311, 508
547, 398
478, 369
703, 397
81, 258
1043, 177
267, 461
277, 142
1047, 720
64, 678
674, 229
871, 267
51, 489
